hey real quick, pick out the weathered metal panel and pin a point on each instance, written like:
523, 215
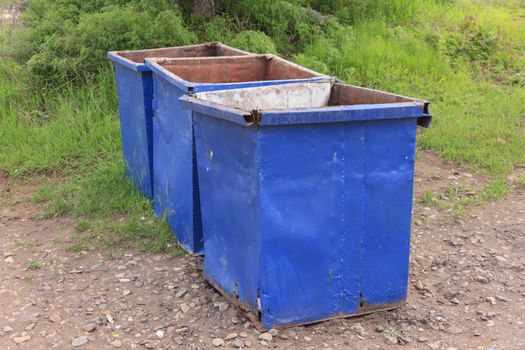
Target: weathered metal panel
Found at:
176, 191
308, 268
306, 215
175, 186
227, 166
135, 91
135, 94
388, 184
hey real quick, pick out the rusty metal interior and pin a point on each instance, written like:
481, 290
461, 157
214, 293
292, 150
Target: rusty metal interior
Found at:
342, 94
209, 50
235, 69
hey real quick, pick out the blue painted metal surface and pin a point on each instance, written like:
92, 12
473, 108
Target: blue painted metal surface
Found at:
135, 95
306, 213
176, 185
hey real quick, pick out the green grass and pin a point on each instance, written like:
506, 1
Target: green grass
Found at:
34, 265
521, 181
110, 211
455, 199
66, 132
21, 242
82, 225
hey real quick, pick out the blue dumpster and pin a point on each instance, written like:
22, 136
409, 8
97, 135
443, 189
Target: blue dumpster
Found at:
176, 188
135, 93
306, 196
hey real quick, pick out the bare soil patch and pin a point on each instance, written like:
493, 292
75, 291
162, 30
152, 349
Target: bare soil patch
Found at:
467, 288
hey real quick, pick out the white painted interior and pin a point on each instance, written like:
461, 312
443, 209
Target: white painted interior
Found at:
296, 95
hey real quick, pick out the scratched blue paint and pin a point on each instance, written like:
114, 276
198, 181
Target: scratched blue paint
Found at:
135, 95
176, 185
306, 213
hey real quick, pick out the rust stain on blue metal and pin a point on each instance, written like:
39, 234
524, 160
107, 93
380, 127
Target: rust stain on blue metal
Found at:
176, 185
306, 212
135, 95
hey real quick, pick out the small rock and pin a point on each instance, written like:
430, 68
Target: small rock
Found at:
307, 338
248, 343
55, 318
243, 335
116, 343
151, 345
501, 298
90, 327
181, 293
266, 337
419, 285
452, 348
44, 287
30, 327
126, 292
9, 260
491, 300
181, 330
79, 341
184, 307
500, 258
435, 345
490, 323
223, 307
230, 336
422, 339
237, 343
379, 328
274, 332
159, 333
454, 301
358, 328
217, 342
7, 329
481, 279
23, 339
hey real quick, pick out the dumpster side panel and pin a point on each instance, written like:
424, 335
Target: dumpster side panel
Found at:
135, 92
174, 166
389, 177
309, 259
226, 155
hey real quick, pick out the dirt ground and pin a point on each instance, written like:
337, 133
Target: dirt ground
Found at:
466, 289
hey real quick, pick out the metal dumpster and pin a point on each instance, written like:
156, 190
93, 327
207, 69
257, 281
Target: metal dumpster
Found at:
306, 196
176, 188
135, 93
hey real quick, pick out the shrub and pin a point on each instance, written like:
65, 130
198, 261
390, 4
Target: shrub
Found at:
290, 26
254, 41
65, 40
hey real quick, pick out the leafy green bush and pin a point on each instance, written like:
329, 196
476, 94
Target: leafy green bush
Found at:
254, 41
290, 26
472, 41
63, 40
355, 11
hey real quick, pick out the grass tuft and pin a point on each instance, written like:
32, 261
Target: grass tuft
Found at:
34, 265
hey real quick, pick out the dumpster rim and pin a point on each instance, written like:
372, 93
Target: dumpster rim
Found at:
153, 63
116, 55
346, 113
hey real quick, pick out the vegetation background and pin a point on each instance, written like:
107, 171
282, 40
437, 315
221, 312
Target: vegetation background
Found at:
58, 105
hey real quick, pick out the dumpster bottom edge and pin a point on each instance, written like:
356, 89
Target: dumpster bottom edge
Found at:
254, 317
